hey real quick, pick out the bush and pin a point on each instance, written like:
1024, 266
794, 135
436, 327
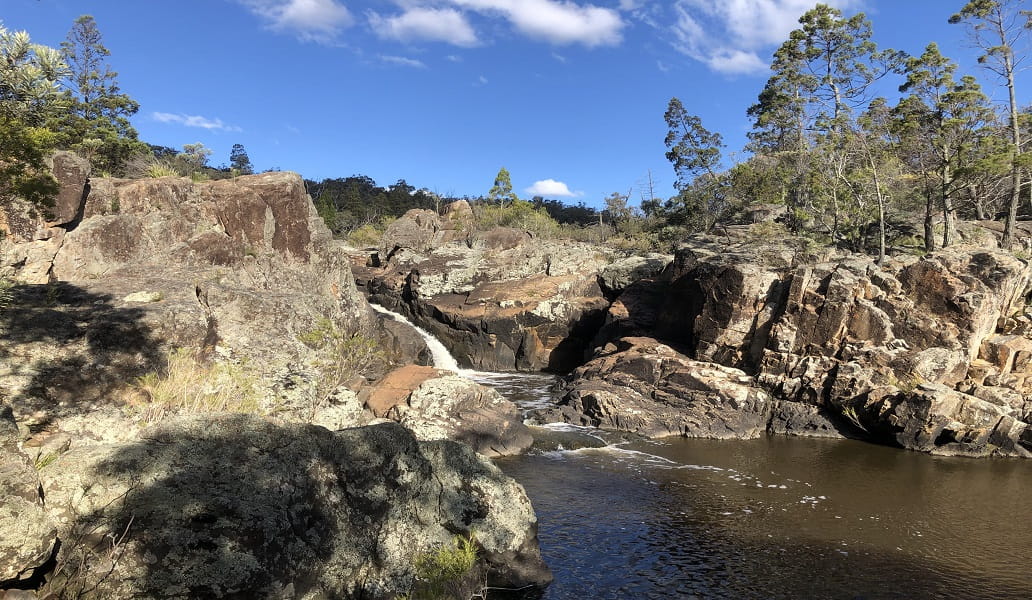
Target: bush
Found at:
518, 215
445, 573
339, 358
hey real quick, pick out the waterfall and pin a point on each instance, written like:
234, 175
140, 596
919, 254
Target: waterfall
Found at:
441, 357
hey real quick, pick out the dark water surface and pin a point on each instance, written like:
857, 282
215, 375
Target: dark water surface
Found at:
778, 518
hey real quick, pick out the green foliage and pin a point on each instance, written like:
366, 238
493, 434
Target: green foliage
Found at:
501, 191
29, 74
239, 161
6, 293
339, 357
162, 168
518, 214
96, 124
443, 574
369, 234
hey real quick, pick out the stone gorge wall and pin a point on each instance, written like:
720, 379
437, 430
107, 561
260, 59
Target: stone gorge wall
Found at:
928, 353
499, 300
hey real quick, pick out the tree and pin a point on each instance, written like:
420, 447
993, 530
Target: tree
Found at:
29, 74
694, 152
997, 28
239, 161
195, 156
97, 124
821, 75
501, 191
945, 121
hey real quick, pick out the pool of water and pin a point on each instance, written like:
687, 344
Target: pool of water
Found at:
776, 518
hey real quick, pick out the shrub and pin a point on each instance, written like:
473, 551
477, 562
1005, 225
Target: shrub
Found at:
162, 168
188, 384
519, 214
445, 572
339, 358
6, 292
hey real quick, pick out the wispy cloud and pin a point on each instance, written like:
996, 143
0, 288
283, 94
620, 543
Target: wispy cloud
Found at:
194, 121
310, 20
425, 24
402, 61
559, 22
552, 188
729, 36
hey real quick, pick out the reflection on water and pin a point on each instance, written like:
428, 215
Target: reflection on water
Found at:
779, 518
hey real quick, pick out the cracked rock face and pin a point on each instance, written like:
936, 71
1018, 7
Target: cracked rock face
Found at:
236, 506
27, 534
931, 354
239, 269
499, 300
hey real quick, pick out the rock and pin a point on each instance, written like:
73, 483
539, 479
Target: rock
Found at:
73, 175
240, 270
842, 344
144, 297
620, 274
526, 305
395, 387
235, 506
456, 408
650, 389
436, 405
27, 534
504, 238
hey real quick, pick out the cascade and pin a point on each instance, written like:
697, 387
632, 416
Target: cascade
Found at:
441, 357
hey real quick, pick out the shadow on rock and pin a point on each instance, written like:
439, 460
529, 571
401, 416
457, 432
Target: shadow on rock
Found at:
234, 506
66, 348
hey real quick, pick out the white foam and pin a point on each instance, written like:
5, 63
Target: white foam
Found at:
441, 357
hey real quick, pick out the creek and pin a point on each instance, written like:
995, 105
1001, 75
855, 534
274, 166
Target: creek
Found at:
775, 517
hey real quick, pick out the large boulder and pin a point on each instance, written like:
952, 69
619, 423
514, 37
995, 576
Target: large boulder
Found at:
241, 270
236, 506
651, 389
436, 405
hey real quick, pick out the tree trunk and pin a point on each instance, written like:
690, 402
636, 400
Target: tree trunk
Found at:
1012, 207
929, 222
949, 217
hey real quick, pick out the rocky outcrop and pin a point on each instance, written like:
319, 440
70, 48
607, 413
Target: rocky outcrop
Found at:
500, 300
236, 506
241, 270
423, 230
649, 388
436, 405
930, 354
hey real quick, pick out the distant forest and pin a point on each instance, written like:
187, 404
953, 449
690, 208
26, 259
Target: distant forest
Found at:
350, 203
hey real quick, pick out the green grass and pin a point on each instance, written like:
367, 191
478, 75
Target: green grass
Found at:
442, 572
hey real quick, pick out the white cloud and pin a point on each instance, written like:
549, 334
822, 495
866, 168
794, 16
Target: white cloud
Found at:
728, 36
557, 21
311, 20
194, 121
480, 81
552, 188
402, 61
426, 24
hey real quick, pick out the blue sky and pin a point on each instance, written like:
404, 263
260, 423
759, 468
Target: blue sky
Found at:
568, 95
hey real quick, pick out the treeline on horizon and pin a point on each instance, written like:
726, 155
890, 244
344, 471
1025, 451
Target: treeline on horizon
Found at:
841, 161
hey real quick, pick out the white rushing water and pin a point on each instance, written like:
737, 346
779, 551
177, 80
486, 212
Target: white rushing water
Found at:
441, 357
